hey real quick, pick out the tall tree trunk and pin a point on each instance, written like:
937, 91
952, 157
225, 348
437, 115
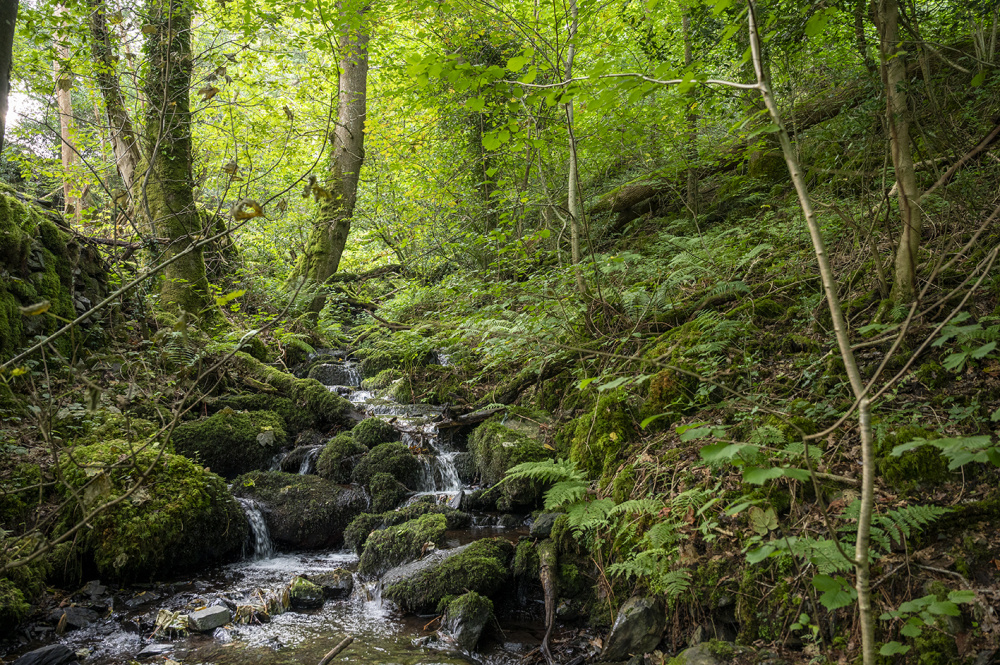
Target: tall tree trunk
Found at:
573, 184
64, 82
692, 123
897, 114
168, 194
123, 138
8, 23
337, 198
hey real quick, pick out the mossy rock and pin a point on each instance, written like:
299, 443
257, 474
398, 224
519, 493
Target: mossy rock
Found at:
495, 448
338, 458
481, 567
921, 466
16, 500
305, 512
296, 419
465, 618
364, 525
670, 395
596, 439
328, 409
396, 545
14, 608
394, 459
181, 517
231, 443
372, 431
765, 309
386, 492
795, 343
382, 380
526, 561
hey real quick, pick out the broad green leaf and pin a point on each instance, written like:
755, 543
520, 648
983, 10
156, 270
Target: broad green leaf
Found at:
516, 63
945, 607
893, 648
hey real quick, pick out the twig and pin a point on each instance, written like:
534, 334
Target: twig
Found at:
332, 653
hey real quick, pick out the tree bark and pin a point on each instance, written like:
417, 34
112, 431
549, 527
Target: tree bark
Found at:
692, 122
168, 192
897, 115
123, 138
63, 82
573, 181
336, 200
8, 23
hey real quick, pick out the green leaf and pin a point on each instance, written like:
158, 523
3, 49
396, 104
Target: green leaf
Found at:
232, 295
758, 476
984, 349
978, 79
912, 628
893, 648
517, 63
647, 421
963, 596
475, 104
718, 452
837, 592
945, 607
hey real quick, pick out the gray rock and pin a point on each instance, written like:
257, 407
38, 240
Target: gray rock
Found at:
54, 654
76, 617
155, 649
456, 501
708, 653
466, 617
305, 595
336, 584
222, 635
637, 629
542, 526
209, 618
408, 570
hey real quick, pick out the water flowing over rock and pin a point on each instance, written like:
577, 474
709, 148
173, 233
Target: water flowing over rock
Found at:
261, 545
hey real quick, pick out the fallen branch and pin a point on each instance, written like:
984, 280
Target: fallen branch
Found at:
332, 653
548, 555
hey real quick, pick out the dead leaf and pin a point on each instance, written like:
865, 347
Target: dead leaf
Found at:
148, 29
208, 92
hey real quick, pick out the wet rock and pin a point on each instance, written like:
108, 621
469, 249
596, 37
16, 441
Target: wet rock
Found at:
222, 635
310, 437
305, 595
386, 492
76, 617
230, 442
209, 618
392, 458
466, 468
510, 521
466, 617
54, 654
337, 584
637, 629
306, 512
293, 461
335, 374
495, 448
482, 566
456, 501
542, 526
338, 458
401, 543
154, 650
363, 525
712, 653
373, 431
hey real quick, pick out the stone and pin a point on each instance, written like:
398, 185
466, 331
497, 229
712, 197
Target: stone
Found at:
466, 617
54, 654
154, 650
209, 618
76, 617
305, 595
337, 584
637, 629
335, 374
541, 528
710, 653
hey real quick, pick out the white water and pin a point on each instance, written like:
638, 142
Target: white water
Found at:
263, 546
309, 460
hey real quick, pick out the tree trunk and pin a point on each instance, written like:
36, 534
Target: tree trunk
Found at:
692, 122
8, 23
336, 200
573, 184
64, 81
897, 114
123, 139
168, 195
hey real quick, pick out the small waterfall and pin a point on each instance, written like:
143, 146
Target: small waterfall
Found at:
309, 460
263, 547
450, 482
276, 461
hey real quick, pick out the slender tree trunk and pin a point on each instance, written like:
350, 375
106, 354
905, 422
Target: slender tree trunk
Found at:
337, 198
8, 23
893, 66
123, 138
692, 122
168, 193
573, 184
64, 81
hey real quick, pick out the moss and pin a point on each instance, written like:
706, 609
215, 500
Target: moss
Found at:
595, 440
372, 431
394, 459
310, 395
181, 517
526, 561
396, 545
296, 419
795, 343
363, 525
765, 309
669, 392
924, 465
933, 375
382, 380
495, 448
19, 495
14, 608
386, 492
231, 443
623, 484
297, 352
766, 592
338, 457
479, 567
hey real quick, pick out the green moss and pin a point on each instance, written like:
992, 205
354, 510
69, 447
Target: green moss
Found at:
495, 448
372, 431
923, 465
386, 492
19, 495
11, 325
14, 608
356, 534
794, 343
526, 561
767, 310
396, 545
181, 517
480, 567
310, 395
231, 443
382, 380
765, 592
394, 459
596, 439
338, 458
296, 418
933, 375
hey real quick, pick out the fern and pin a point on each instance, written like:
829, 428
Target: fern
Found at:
900, 524
725, 288
652, 566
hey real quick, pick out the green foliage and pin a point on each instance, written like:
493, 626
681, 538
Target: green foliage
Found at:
357, 532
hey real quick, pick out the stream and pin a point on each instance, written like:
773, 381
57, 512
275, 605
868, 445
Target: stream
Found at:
122, 632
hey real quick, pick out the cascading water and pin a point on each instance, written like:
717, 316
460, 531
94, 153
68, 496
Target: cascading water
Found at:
309, 460
263, 546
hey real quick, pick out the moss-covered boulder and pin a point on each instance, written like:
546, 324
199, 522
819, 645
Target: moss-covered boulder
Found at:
24, 583
296, 418
230, 442
181, 516
394, 459
495, 448
372, 431
304, 594
596, 440
924, 465
324, 408
466, 617
363, 525
386, 492
482, 566
305, 512
399, 544
338, 458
